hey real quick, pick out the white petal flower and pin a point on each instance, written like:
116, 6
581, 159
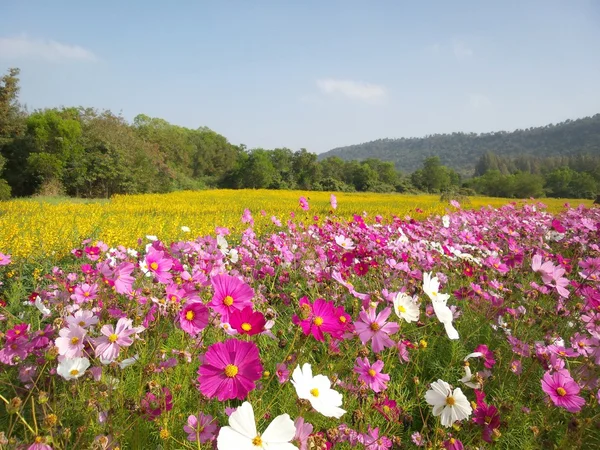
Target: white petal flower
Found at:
431, 286
469, 380
41, 307
406, 307
71, 368
129, 361
241, 433
451, 405
317, 390
446, 221
151, 237
185, 229
344, 242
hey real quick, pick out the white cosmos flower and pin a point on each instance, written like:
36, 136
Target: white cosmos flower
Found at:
41, 307
151, 237
71, 368
406, 307
470, 380
344, 242
450, 405
241, 433
431, 287
317, 390
185, 229
129, 361
446, 221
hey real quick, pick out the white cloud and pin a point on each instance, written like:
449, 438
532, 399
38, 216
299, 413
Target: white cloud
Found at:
479, 101
356, 90
461, 51
27, 47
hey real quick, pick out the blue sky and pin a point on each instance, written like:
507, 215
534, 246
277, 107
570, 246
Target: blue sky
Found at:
312, 74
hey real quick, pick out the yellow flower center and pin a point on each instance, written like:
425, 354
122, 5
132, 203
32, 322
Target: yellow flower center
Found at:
372, 372
386, 409
488, 419
342, 319
189, 315
257, 441
154, 266
246, 326
450, 401
74, 340
113, 337
401, 309
81, 323
314, 392
318, 321
86, 294
231, 371
452, 441
74, 372
228, 301
560, 391
39, 439
173, 298
375, 326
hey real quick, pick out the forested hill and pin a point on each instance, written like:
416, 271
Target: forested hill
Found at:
461, 151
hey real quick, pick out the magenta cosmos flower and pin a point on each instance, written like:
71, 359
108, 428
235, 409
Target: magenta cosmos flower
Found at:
563, 390
109, 345
193, 317
247, 321
374, 327
371, 374
159, 266
230, 294
229, 370
318, 318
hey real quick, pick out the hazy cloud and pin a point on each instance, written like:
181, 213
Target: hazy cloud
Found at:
479, 101
27, 47
357, 90
461, 50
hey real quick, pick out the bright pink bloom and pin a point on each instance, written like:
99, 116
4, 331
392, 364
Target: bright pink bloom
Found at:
230, 370
17, 331
109, 345
4, 259
85, 293
371, 374
70, 343
122, 278
333, 201
159, 266
247, 217
487, 354
15, 351
201, 428
39, 444
318, 318
193, 317
247, 321
563, 390
453, 444
303, 203
372, 440
152, 406
230, 294
372, 326
486, 416
303, 431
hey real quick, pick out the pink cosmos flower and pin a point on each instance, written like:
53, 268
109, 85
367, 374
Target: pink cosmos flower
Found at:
487, 354
193, 317
318, 318
15, 351
371, 374
4, 259
486, 416
372, 326
283, 373
39, 444
85, 293
201, 428
159, 266
247, 217
563, 390
333, 201
230, 294
109, 345
230, 370
372, 440
122, 278
82, 318
516, 367
70, 343
303, 203
303, 431
247, 321
453, 444
152, 406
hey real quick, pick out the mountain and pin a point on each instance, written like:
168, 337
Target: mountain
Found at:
461, 151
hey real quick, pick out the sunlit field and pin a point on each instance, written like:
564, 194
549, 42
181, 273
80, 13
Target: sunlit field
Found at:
266, 320
36, 228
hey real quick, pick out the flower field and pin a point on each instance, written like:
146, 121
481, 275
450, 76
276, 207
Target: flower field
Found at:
271, 320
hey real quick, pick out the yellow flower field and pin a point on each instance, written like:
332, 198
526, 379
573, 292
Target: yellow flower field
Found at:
36, 228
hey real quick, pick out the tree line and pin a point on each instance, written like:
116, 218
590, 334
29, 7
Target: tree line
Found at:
83, 152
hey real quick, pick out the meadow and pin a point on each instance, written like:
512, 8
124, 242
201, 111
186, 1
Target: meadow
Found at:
281, 320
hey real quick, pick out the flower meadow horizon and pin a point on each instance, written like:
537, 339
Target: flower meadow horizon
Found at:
204, 343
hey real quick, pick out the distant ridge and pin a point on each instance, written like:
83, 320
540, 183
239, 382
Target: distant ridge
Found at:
462, 150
